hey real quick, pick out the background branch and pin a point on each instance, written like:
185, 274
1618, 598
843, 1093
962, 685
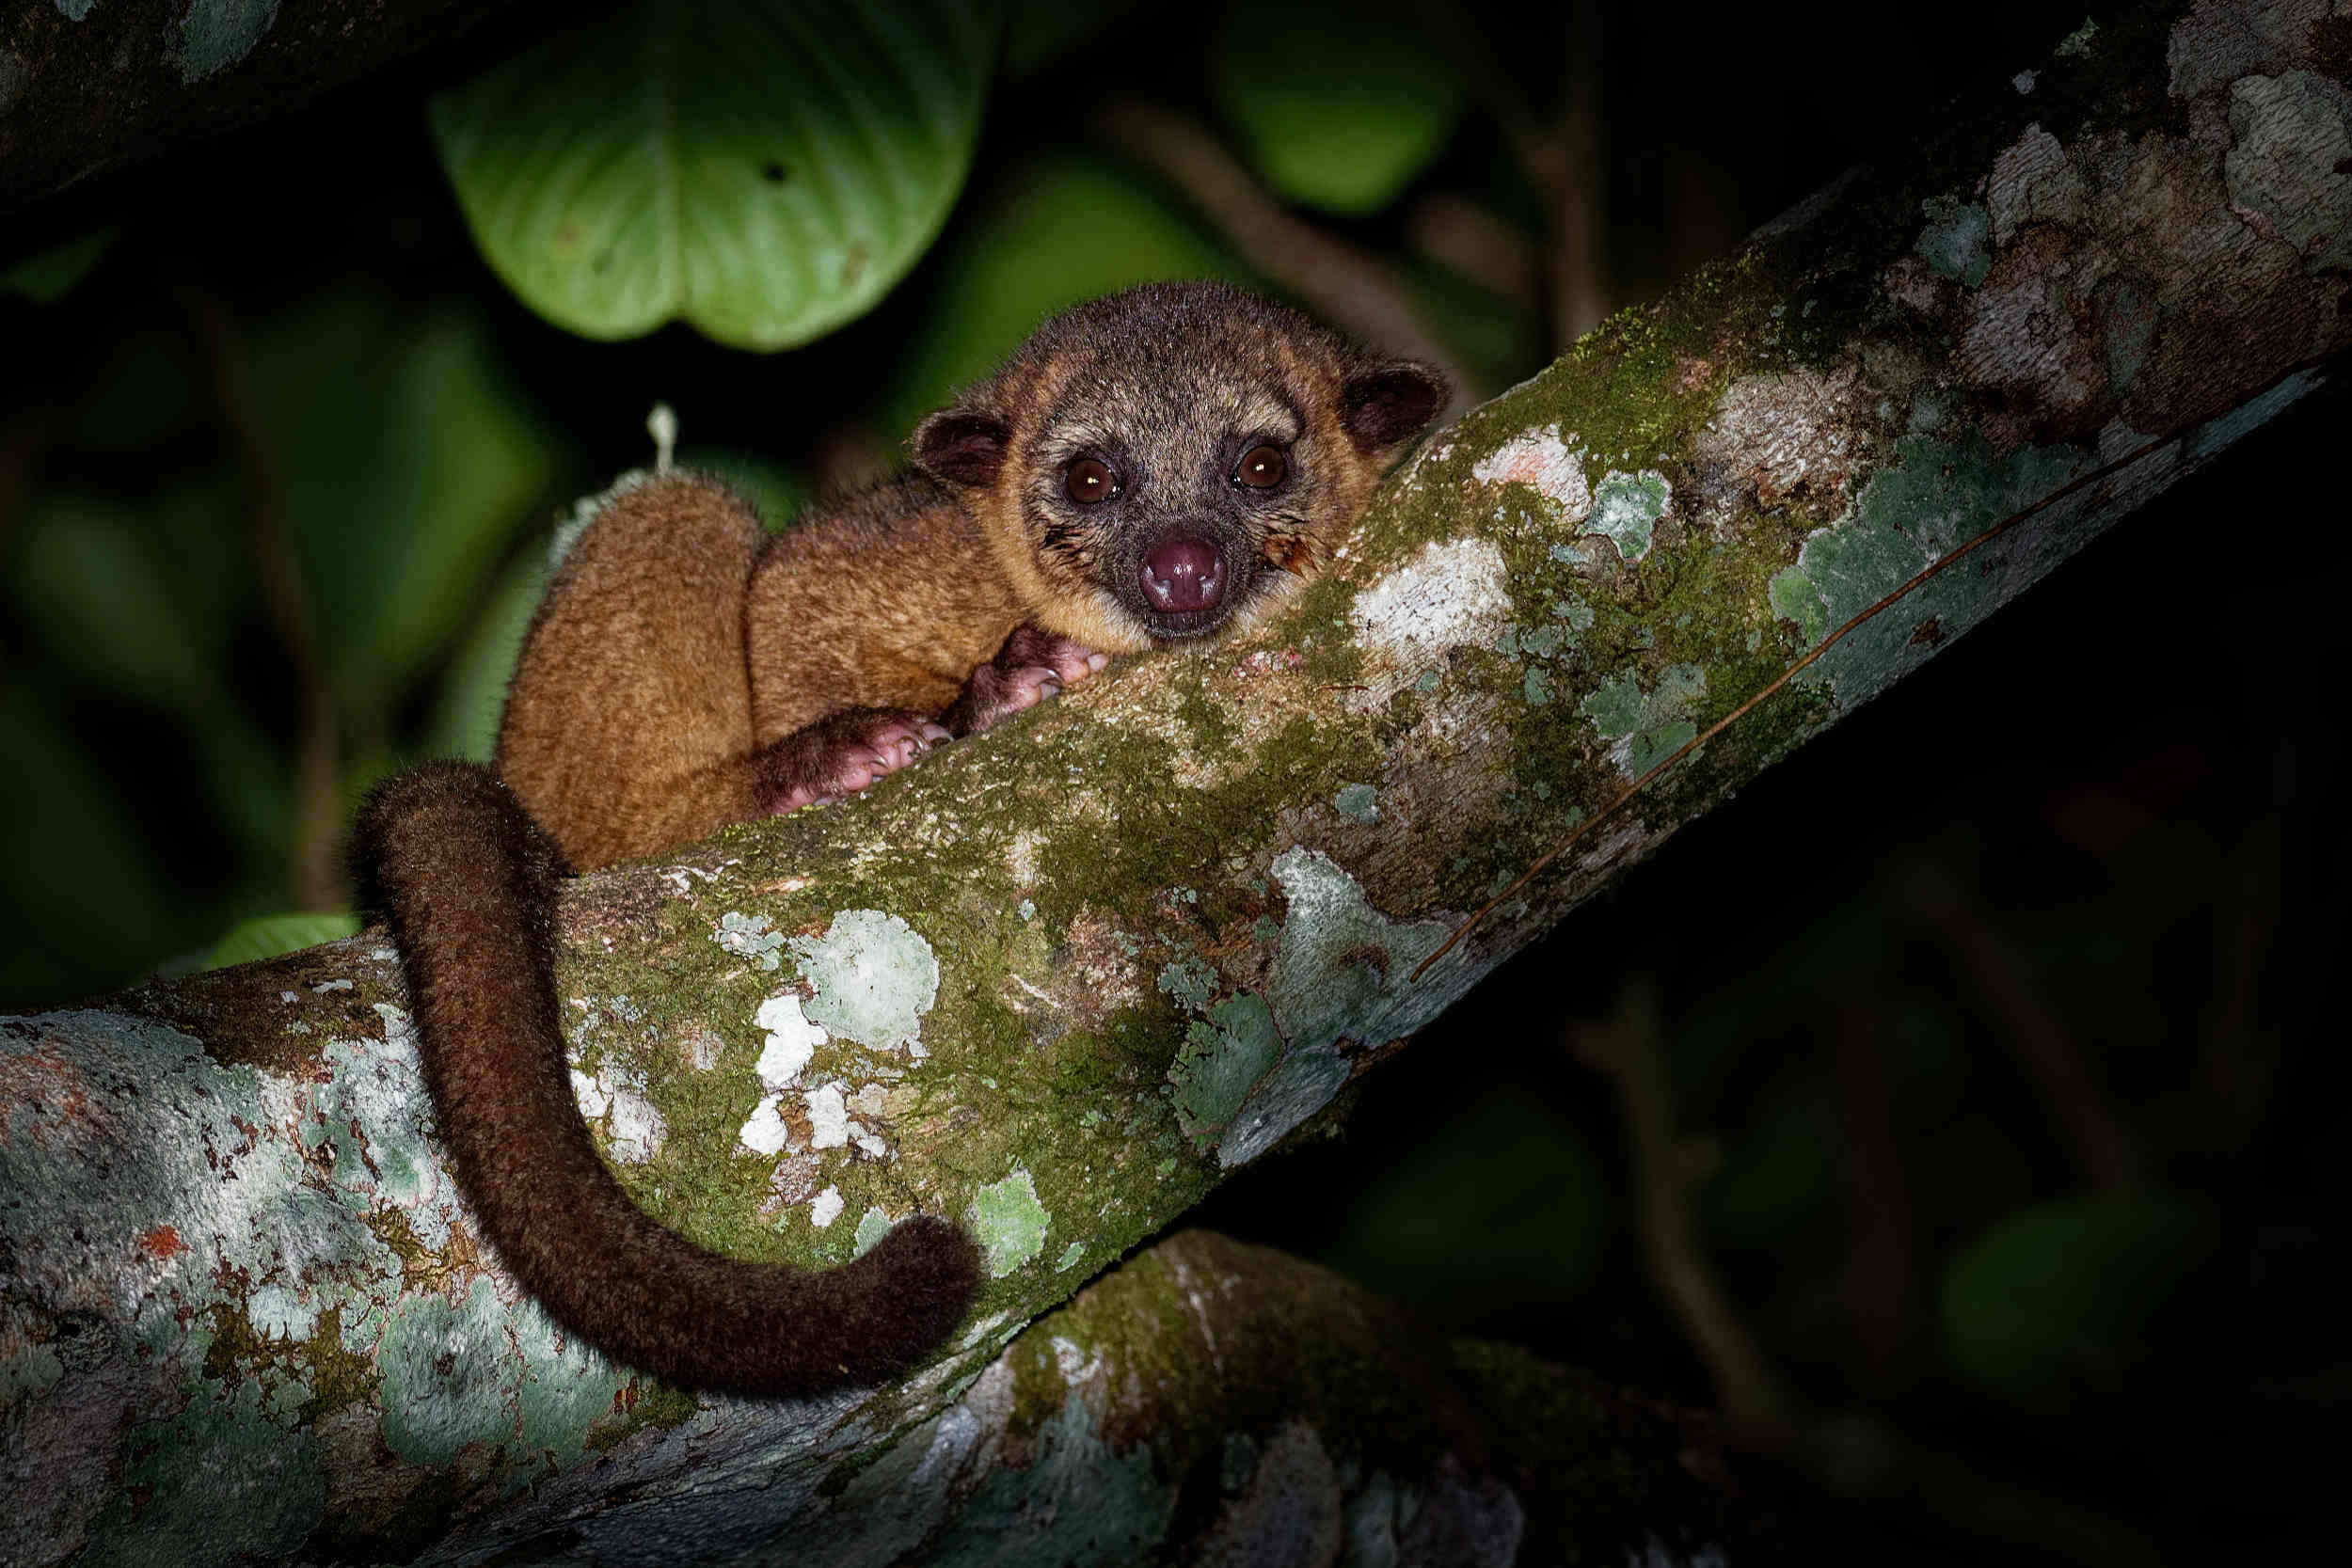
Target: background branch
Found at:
1337, 281
88, 88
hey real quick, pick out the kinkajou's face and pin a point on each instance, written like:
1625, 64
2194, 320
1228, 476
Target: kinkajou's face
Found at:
1170, 463
1181, 498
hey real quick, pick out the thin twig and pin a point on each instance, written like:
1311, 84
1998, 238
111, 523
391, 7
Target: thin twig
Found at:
1342, 284
1881, 1271
1667, 1169
2070, 1091
315, 869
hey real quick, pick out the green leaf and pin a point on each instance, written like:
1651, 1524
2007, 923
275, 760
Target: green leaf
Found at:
2063, 1294
466, 723
269, 935
765, 170
1338, 104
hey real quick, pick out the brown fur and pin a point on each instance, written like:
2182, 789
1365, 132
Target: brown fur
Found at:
686, 672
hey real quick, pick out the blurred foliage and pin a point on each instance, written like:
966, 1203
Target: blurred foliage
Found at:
280, 457
48, 272
2058, 1301
1338, 106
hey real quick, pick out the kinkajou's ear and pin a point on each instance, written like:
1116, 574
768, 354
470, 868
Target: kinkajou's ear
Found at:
1385, 404
961, 446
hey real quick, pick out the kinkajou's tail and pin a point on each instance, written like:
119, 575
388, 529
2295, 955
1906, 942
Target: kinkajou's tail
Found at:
469, 883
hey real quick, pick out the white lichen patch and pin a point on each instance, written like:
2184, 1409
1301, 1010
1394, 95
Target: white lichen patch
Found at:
1451, 592
276, 1312
637, 1129
765, 1132
682, 877
1343, 978
2291, 163
791, 1041
827, 1117
634, 1128
1538, 458
1783, 435
2032, 182
589, 1095
1021, 857
1344, 969
825, 1208
1075, 1365
874, 978
980, 1330
372, 1110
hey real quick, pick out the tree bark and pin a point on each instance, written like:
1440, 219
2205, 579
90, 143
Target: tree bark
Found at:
86, 86
1061, 978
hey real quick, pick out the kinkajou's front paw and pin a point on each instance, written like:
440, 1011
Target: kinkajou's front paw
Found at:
840, 754
1032, 666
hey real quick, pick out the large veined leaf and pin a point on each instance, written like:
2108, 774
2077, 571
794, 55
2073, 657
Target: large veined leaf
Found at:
765, 169
1339, 102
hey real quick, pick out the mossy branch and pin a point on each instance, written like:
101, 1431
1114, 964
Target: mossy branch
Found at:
1058, 980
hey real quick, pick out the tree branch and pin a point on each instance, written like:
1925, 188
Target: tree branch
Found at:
1061, 978
1334, 279
88, 87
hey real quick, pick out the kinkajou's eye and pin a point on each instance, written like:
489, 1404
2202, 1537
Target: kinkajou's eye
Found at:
1087, 481
1262, 468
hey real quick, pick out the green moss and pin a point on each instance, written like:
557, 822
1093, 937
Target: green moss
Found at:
339, 1376
643, 1404
1213, 736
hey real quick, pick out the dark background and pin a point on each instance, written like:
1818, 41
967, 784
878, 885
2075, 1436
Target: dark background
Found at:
1994, 1020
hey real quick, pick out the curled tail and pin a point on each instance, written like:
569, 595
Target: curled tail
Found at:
469, 883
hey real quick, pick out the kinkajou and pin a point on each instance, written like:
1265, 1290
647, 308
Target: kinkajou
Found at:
1151, 469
